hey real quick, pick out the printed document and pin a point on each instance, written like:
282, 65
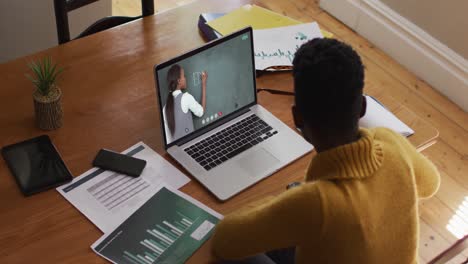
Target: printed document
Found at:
277, 46
168, 228
107, 198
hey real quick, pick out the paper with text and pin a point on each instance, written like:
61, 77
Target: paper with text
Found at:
107, 198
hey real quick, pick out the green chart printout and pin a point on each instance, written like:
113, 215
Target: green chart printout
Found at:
168, 228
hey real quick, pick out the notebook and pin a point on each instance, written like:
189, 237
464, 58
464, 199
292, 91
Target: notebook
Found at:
254, 16
233, 142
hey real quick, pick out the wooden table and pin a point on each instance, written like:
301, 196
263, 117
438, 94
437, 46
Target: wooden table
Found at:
109, 101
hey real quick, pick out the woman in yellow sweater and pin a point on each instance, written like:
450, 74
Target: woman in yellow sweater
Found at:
359, 200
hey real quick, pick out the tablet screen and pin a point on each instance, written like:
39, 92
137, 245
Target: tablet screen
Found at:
36, 165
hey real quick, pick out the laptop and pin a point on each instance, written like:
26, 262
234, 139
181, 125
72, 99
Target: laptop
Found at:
232, 142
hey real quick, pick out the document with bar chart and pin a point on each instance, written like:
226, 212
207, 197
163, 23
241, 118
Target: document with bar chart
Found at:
168, 228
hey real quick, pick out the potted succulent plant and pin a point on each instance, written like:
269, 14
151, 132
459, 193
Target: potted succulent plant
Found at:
47, 95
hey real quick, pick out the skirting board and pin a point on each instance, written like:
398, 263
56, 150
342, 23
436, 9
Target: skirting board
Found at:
419, 52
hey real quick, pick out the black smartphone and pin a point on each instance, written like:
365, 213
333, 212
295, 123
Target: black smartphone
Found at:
121, 163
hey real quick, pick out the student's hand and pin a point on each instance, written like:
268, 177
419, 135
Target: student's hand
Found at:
204, 76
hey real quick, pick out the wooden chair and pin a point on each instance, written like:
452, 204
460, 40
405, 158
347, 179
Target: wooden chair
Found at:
62, 7
452, 252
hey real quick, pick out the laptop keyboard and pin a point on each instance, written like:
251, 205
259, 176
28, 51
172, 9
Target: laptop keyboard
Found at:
229, 142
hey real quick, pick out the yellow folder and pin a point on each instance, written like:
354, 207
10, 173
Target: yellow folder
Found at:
255, 16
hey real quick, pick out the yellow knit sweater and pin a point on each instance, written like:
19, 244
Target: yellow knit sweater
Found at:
359, 205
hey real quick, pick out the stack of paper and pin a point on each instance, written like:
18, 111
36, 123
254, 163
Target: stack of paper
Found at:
276, 37
145, 219
254, 16
250, 15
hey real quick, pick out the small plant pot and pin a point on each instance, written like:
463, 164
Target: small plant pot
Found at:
48, 109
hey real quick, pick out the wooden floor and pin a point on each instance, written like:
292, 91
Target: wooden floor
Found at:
450, 153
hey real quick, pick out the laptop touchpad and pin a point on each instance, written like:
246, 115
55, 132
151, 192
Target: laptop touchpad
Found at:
257, 162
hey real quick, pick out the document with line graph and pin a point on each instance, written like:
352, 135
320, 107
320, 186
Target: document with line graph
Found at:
277, 46
107, 198
168, 228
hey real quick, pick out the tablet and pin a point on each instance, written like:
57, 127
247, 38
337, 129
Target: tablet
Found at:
36, 165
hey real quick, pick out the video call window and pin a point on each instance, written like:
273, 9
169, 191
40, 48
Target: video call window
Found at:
224, 72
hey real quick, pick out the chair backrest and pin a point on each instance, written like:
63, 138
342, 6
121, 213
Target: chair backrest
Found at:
451, 252
62, 7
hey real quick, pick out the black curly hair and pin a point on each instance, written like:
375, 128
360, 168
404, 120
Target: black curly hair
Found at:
173, 76
328, 83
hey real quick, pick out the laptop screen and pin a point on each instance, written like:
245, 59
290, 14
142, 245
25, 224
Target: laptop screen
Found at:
206, 85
